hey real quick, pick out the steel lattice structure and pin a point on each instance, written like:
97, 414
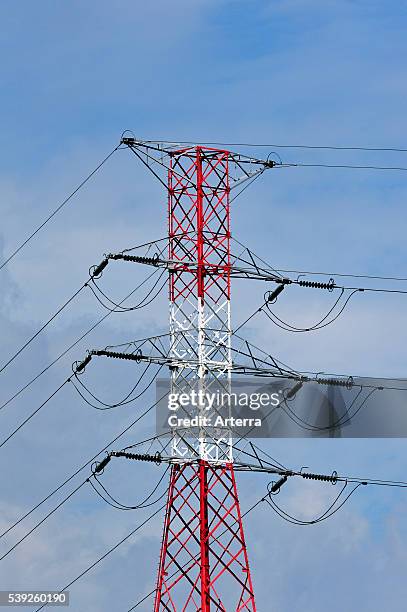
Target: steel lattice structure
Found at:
203, 543
203, 533
199, 232
203, 562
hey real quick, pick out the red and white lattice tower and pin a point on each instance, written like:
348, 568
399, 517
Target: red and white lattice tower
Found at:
203, 563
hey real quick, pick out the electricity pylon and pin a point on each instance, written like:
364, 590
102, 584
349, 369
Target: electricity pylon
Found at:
203, 563
203, 532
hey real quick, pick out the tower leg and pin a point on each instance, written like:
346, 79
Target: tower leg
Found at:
203, 564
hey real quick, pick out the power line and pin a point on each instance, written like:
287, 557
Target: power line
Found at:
106, 554
45, 402
323, 517
59, 207
43, 520
285, 146
126, 400
316, 326
33, 413
116, 308
340, 166
53, 395
38, 332
335, 477
141, 505
141, 304
78, 470
61, 355
118, 505
123, 402
368, 276
278, 270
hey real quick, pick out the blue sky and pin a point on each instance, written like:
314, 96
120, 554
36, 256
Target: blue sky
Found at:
73, 77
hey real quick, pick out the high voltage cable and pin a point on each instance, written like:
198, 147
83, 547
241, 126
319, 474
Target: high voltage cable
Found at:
277, 270
105, 405
340, 422
118, 505
106, 554
322, 323
300, 164
117, 308
398, 484
319, 325
285, 146
141, 505
61, 355
141, 304
71, 494
313, 273
341, 166
344, 288
335, 477
33, 413
59, 207
68, 380
290, 328
80, 469
323, 517
126, 400
41, 329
